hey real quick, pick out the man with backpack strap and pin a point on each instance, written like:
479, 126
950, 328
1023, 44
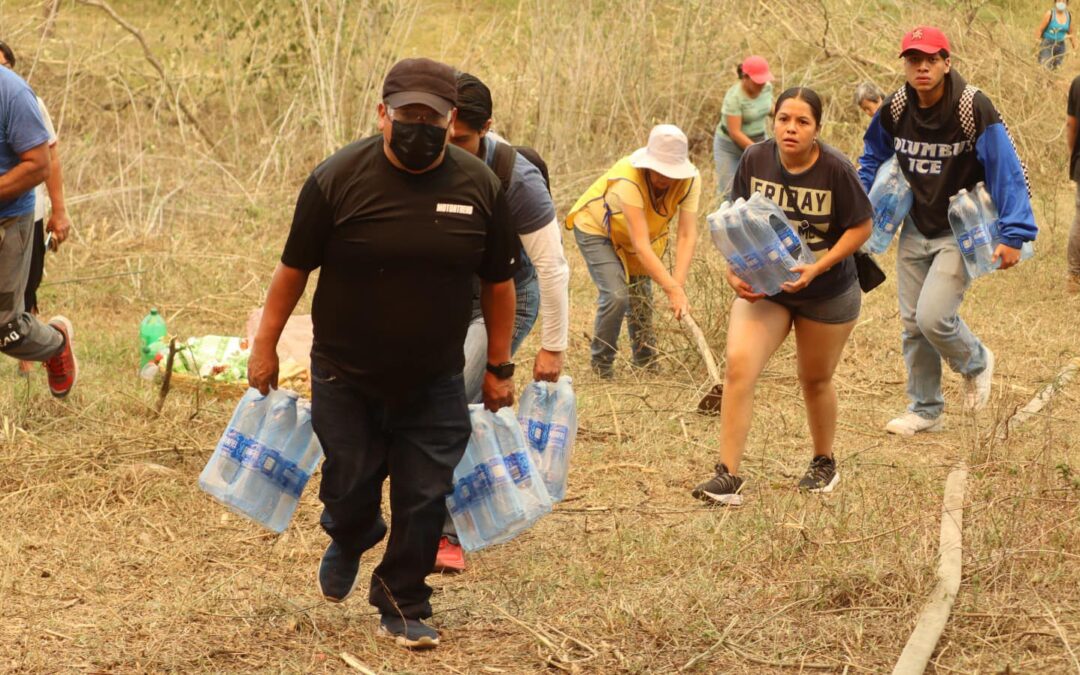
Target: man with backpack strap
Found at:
542, 280
947, 136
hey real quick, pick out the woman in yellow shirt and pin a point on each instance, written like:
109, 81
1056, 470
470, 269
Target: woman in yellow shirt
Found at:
621, 226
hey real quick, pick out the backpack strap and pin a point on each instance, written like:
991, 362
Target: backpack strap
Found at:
536, 160
503, 165
966, 111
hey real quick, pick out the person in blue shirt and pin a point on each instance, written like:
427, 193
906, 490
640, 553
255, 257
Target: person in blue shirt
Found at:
542, 280
1056, 26
946, 136
24, 163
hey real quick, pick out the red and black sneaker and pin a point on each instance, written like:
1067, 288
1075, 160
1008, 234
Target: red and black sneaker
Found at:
63, 369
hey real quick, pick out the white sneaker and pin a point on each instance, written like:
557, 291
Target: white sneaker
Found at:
978, 387
911, 423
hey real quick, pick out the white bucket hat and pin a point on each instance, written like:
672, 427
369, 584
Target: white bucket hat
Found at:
667, 153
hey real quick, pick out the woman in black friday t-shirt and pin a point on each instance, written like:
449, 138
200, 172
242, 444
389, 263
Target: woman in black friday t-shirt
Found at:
819, 191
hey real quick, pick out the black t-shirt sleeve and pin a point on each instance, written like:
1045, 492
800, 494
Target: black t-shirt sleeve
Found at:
1074, 98
312, 223
851, 206
500, 259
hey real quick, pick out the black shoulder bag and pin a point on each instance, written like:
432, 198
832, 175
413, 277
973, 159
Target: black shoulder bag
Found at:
870, 274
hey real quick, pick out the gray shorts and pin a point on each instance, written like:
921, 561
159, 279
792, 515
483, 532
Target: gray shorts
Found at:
837, 309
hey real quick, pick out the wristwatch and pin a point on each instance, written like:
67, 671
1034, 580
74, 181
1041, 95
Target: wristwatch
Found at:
503, 371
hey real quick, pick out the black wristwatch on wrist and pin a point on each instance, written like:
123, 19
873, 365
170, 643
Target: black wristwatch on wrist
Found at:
503, 371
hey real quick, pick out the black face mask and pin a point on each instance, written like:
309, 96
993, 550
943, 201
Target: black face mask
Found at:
417, 146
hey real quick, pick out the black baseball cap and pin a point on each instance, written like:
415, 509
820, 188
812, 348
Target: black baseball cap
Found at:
421, 81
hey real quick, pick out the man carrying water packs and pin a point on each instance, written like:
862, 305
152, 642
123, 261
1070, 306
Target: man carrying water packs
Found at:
541, 281
947, 136
398, 224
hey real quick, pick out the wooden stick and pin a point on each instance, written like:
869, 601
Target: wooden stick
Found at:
920, 646
166, 380
1035, 405
355, 663
703, 348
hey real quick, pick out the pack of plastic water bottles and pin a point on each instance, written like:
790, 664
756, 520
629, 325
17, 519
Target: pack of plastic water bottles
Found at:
548, 416
891, 197
498, 492
758, 242
265, 458
973, 217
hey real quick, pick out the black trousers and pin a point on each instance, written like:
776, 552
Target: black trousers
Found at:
417, 444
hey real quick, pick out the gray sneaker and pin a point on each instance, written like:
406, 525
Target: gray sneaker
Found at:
820, 476
723, 488
408, 633
978, 387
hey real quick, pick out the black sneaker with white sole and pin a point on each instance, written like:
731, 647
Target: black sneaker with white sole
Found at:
821, 475
338, 572
723, 488
408, 633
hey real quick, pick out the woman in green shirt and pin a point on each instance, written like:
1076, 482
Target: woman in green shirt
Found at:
742, 121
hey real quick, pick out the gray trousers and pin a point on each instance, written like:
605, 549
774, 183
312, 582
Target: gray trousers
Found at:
22, 335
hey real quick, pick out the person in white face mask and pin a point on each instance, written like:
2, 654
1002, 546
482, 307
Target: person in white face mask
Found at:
1055, 27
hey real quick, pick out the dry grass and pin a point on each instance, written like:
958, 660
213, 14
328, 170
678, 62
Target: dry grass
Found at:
113, 561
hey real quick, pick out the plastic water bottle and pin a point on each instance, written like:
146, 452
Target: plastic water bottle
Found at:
151, 330
993, 223
300, 457
463, 505
220, 472
524, 475
891, 197
505, 503
778, 263
256, 491
718, 229
971, 232
548, 417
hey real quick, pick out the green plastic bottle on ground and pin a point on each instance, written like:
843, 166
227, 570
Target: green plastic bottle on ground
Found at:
151, 330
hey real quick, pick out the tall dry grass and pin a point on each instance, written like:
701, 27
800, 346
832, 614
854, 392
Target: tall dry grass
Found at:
112, 560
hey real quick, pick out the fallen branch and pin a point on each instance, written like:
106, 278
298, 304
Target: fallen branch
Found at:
355, 663
1035, 405
920, 646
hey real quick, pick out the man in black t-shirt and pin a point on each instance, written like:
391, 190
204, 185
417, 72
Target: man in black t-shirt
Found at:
398, 224
1072, 281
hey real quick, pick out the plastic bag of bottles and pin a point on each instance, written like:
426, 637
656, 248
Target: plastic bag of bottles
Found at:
973, 218
758, 242
547, 414
891, 197
497, 491
265, 458
216, 357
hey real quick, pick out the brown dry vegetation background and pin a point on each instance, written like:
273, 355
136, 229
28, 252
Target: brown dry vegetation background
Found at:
180, 182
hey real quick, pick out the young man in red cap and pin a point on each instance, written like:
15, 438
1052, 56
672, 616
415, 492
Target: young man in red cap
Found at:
398, 224
947, 136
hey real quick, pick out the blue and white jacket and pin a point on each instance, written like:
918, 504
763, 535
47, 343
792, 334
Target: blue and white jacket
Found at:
947, 147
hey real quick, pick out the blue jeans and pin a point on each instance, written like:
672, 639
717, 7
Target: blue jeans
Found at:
416, 444
931, 280
727, 156
1051, 53
525, 312
617, 299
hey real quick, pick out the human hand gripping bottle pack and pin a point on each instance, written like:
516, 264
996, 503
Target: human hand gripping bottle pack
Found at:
265, 458
547, 414
891, 197
993, 224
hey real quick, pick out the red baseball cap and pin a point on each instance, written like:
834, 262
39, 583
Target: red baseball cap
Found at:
757, 69
926, 39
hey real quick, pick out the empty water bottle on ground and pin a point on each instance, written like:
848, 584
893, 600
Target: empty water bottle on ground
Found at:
891, 197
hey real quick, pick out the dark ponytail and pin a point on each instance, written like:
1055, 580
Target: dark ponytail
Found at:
805, 94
